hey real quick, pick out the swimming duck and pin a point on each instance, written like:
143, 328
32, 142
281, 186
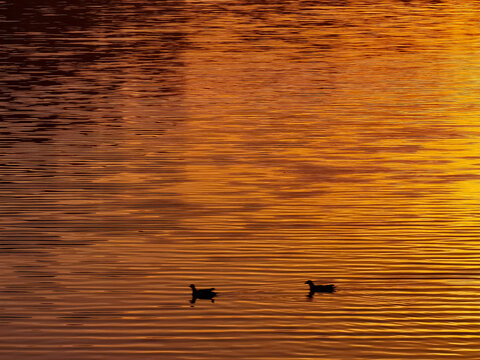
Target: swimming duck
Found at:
330, 288
202, 293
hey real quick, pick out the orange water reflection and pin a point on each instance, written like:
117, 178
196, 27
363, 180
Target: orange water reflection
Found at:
247, 146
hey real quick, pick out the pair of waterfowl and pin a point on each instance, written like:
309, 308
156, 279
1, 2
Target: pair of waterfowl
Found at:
210, 294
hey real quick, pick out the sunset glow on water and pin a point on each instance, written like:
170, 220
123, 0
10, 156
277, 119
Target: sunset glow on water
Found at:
246, 146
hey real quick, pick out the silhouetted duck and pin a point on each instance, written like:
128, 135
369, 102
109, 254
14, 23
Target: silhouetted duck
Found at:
330, 288
202, 293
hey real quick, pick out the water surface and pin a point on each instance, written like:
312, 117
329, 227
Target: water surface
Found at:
247, 146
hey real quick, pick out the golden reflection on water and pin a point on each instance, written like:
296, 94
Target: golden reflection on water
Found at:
247, 146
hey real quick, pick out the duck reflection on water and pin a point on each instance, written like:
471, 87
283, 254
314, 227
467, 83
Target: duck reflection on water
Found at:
207, 294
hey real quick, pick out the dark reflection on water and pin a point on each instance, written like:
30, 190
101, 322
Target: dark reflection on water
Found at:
246, 146
68, 63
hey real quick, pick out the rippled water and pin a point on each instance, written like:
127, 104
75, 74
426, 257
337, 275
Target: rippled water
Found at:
246, 145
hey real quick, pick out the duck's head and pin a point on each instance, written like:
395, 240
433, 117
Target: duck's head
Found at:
192, 286
309, 282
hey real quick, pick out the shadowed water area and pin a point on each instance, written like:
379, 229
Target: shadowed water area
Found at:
246, 146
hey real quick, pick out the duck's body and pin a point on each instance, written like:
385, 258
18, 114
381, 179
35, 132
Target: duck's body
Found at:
203, 293
330, 288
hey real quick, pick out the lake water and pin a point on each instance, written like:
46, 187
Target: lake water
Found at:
246, 145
